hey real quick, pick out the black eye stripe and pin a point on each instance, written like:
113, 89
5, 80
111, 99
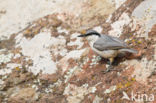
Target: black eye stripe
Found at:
89, 34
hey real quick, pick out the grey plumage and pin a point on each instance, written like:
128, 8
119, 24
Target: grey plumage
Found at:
128, 50
106, 46
106, 42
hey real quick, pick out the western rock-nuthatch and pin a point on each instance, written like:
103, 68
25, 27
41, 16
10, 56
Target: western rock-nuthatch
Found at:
106, 46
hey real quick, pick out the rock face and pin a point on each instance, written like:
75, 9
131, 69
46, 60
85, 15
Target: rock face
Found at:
76, 13
45, 62
24, 95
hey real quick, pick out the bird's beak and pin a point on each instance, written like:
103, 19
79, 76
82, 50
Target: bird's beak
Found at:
82, 35
83, 32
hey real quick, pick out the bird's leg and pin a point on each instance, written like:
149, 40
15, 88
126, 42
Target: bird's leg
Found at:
108, 61
111, 60
110, 67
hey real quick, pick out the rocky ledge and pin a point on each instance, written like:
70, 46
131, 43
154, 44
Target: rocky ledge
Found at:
45, 62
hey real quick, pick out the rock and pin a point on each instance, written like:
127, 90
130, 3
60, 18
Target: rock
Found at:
97, 99
54, 21
18, 77
64, 66
53, 99
51, 78
153, 32
24, 95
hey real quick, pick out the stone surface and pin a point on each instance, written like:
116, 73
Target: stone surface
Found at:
45, 62
14, 20
25, 95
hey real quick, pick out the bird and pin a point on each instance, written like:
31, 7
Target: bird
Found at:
106, 46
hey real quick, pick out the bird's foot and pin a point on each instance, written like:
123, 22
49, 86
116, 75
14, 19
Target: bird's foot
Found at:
110, 68
108, 62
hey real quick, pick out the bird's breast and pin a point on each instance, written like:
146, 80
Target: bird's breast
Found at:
106, 53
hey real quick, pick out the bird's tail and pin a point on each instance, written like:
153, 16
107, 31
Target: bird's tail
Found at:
128, 50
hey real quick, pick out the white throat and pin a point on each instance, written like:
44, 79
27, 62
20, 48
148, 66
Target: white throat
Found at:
91, 39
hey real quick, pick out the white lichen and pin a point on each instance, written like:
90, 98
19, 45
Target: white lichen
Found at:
62, 30
76, 94
35, 87
143, 69
109, 18
97, 99
145, 16
70, 73
5, 58
95, 60
58, 46
37, 49
118, 3
112, 88
75, 55
17, 56
1, 82
98, 29
5, 71
117, 26
8, 68
77, 42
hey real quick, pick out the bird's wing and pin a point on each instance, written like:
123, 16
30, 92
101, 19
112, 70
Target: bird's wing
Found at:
109, 43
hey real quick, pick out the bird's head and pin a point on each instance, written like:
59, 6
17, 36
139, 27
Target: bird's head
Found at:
90, 35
